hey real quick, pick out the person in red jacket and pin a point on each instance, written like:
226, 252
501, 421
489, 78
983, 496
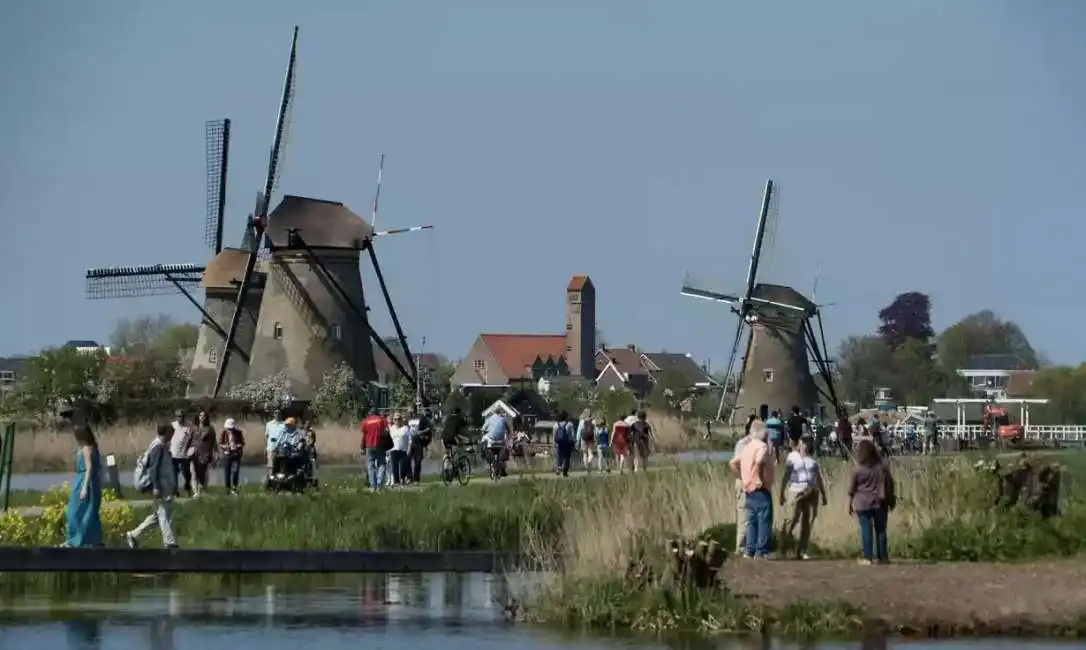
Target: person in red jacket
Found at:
376, 441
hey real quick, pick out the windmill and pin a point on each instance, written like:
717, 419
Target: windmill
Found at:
781, 340
223, 344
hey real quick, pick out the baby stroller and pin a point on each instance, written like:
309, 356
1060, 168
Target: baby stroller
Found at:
292, 470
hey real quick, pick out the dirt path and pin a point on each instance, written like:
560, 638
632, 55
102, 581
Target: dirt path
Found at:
974, 596
35, 511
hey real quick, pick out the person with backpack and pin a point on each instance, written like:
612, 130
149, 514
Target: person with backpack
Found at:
155, 475
420, 442
376, 443
641, 439
586, 436
565, 440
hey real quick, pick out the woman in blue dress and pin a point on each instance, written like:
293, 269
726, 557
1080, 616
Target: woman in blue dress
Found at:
85, 501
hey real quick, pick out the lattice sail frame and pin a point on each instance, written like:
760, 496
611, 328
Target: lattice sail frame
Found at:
142, 281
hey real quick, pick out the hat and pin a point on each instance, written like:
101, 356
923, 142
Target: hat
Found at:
230, 423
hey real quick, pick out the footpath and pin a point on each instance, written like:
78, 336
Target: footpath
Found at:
478, 478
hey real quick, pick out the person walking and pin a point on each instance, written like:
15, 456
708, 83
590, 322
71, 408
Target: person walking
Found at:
232, 447
85, 500
603, 442
641, 440
158, 476
376, 442
586, 438
871, 497
273, 430
400, 433
204, 443
620, 443
801, 491
423, 435
797, 427
564, 443
755, 469
775, 432
740, 495
181, 452
843, 429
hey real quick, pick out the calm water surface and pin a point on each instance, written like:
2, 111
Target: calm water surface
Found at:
437, 611
46, 480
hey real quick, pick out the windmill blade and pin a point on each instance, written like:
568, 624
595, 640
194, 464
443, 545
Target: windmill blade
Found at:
759, 236
217, 150
731, 365
142, 281
694, 289
763, 301
377, 192
400, 231
260, 223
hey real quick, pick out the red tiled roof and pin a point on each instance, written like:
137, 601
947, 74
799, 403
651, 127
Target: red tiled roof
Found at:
515, 353
577, 282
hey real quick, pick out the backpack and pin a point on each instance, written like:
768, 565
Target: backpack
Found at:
564, 433
588, 432
141, 477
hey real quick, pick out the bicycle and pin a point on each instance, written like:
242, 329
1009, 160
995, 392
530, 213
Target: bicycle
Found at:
493, 456
456, 466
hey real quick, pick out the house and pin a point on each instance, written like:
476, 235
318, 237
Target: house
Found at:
996, 375
639, 371
525, 407
11, 369
86, 346
386, 369
496, 360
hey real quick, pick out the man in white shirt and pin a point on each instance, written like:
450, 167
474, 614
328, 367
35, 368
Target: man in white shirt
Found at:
273, 431
181, 453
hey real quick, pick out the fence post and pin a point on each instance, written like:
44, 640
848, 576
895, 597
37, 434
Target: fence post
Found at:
113, 476
7, 458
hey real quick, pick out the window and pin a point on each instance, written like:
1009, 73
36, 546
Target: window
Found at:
569, 326
480, 365
574, 298
277, 332
569, 348
575, 309
7, 376
213, 355
767, 376
335, 331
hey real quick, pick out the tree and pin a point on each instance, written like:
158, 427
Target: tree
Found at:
907, 317
1065, 388
264, 395
984, 333
401, 394
572, 396
57, 378
915, 379
137, 336
341, 397
864, 363
615, 404
672, 387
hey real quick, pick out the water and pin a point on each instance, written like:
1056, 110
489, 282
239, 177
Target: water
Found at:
436, 611
430, 467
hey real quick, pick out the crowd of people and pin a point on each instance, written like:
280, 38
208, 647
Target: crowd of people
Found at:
801, 490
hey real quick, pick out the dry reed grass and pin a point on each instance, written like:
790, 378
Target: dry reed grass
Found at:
607, 524
43, 451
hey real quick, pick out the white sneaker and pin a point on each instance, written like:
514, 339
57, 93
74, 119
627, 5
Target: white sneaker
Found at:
131, 541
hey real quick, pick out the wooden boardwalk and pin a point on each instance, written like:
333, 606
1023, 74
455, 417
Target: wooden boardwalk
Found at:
115, 560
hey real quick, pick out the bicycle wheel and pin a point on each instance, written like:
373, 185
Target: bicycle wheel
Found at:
463, 470
448, 470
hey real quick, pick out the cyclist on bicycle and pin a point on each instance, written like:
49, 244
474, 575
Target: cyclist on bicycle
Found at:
453, 431
495, 430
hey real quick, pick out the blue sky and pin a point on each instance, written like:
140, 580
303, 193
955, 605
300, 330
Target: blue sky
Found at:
925, 145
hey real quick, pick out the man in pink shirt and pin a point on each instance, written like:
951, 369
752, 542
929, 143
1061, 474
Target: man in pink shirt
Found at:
754, 463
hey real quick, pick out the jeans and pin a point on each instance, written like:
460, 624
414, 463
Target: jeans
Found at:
759, 522
873, 533
183, 467
399, 466
162, 516
414, 460
231, 471
563, 456
376, 464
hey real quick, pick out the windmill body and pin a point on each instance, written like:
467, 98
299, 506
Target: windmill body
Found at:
777, 370
313, 311
220, 280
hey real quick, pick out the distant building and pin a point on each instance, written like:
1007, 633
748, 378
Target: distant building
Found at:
997, 376
523, 359
11, 370
639, 372
86, 346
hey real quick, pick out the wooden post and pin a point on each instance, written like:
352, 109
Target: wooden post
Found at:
7, 459
113, 475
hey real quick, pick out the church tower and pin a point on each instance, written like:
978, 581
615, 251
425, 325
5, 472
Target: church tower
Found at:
581, 327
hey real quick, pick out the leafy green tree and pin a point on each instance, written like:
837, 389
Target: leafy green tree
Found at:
264, 395
401, 394
916, 378
58, 378
615, 404
864, 363
143, 334
341, 397
984, 333
907, 317
1065, 388
670, 390
572, 396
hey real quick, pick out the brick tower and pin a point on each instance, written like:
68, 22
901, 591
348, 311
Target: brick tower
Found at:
581, 327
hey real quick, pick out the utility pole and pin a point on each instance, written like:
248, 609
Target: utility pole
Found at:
418, 376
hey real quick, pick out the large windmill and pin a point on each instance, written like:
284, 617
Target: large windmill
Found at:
781, 340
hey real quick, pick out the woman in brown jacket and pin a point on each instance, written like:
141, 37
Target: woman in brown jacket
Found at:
871, 497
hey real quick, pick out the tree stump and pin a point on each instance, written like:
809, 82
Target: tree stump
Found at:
1031, 483
695, 564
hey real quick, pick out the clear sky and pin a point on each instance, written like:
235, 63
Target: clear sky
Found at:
924, 145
